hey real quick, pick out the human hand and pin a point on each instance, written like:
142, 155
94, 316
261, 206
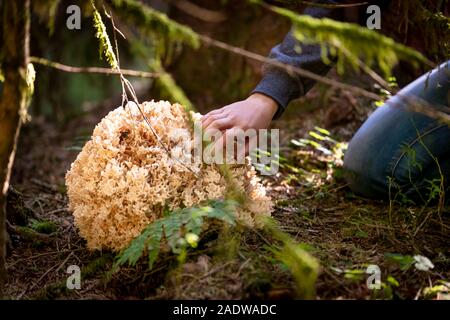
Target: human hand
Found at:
255, 112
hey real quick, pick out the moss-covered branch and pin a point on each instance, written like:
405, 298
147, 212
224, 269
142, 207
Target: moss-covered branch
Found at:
105, 47
152, 22
321, 4
349, 42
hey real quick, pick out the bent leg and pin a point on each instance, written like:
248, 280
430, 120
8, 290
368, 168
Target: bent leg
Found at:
400, 149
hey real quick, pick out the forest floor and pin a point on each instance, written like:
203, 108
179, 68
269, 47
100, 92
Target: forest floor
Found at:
313, 204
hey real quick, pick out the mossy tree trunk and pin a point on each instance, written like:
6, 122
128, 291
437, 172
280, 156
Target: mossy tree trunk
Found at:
13, 102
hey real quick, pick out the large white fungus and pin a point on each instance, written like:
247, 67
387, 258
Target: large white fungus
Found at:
124, 177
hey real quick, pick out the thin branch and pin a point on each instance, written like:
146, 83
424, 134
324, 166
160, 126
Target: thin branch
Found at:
288, 68
126, 84
198, 12
419, 105
414, 104
97, 70
207, 40
323, 5
375, 76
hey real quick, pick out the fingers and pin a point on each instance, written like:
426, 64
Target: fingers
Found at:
234, 151
230, 146
211, 118
215, 111
212, 114
220, 124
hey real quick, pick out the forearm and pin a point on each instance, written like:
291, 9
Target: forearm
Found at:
283, 87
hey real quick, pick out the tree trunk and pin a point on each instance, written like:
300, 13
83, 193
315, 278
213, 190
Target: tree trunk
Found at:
13, 102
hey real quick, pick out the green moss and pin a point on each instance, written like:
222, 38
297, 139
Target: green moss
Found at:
26, 233
349, 42
52, 291
43, 226
96, 265
153, 23
105, 48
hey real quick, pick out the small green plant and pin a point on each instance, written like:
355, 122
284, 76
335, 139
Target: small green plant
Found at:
404, 261
294, 256
179, 229
354, 275
43, 226
330, 153
387, 289
441, 289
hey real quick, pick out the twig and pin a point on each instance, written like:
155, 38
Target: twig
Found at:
32, 234
288, 68
126, 84
198, 12
243, 265
323, 5
42, 277
98, 70
216, 269
44, 254
419, 105
57, 210
207, 40
375, 76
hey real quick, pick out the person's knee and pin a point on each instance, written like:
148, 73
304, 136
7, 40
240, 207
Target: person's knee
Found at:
376, 156
363, 174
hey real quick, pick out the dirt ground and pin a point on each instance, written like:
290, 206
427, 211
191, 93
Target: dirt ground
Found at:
313, 204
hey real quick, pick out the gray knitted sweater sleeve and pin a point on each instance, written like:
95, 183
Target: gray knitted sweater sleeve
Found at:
283, 87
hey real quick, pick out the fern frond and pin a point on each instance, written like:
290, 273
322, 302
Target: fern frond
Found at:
132, 254
174, 229
154, 244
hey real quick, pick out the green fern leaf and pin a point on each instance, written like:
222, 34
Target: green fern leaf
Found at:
154, 244
136, 249
224, 210
173, 228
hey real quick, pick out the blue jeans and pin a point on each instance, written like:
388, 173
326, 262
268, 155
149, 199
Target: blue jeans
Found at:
398, 150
